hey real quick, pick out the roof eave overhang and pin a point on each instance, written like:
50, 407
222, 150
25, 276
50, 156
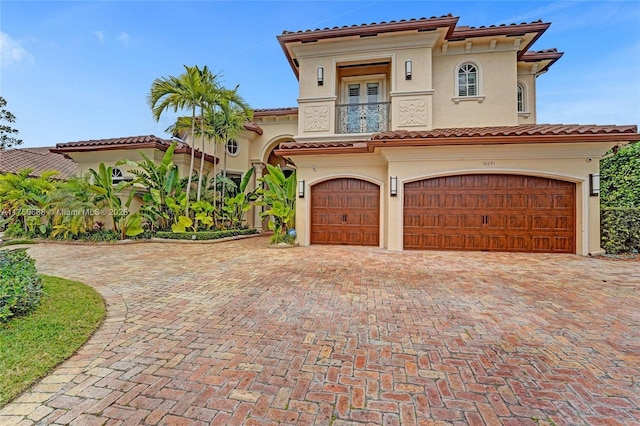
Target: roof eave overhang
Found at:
126, 147
545, 58
506, 140
537, 28
323, 151
287, 39
460, 141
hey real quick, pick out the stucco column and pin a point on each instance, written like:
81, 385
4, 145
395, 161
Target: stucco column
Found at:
394, 207
257, 169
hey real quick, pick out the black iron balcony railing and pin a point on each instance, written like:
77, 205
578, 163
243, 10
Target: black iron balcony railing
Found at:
363, 118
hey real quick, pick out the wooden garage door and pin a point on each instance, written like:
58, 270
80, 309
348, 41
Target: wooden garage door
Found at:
490, 212
345, 211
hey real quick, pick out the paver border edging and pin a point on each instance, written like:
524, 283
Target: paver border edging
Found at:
150, 241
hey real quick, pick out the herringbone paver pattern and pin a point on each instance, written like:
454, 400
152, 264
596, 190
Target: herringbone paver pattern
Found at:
239, 333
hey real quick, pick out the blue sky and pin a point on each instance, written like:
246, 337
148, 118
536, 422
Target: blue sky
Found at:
79, 70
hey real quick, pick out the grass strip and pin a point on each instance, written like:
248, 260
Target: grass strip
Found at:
32, 345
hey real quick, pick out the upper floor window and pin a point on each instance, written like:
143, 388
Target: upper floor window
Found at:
521, 98
232, 148
468, 80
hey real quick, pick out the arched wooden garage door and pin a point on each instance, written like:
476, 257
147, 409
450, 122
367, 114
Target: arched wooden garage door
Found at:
490, 212
345, 211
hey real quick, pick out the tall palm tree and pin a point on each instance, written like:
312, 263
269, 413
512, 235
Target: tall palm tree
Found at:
187, 91
229, 121
221, 119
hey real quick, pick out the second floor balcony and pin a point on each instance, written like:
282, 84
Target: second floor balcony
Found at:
370, 117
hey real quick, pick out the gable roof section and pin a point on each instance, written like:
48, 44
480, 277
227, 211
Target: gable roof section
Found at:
126, 143
523, 134
453, 33
38, 159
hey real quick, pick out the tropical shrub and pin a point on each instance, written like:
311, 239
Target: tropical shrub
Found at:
163, 186
20, 284
620, 201
620, 229
620, 178
73, 209
125, 223
25, 202
236, 207
210, 235
280, 199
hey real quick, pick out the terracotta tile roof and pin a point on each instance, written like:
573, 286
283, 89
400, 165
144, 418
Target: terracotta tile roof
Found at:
292, 145
265, 112
129, 140
38, 159
463, 32
372, 28
521, 130
454, 32
549, 55
523, 134
126, 143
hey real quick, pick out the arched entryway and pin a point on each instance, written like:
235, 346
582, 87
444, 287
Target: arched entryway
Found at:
495, 212
345, 211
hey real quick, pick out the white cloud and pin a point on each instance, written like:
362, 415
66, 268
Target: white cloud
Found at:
100, 36
124, 39
11, 52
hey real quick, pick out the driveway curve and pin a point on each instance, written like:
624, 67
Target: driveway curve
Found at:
241, 333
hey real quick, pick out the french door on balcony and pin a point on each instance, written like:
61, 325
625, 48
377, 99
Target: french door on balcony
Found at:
363, 110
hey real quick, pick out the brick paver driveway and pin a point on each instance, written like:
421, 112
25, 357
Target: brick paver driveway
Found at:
239, 333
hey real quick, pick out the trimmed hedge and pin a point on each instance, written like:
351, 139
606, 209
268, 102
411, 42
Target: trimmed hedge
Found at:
620, 229
20, 284
212, 235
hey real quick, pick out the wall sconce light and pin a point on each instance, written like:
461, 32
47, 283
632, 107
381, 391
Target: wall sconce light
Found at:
408, 69
320, 76
301, 188
393, 186
594, 184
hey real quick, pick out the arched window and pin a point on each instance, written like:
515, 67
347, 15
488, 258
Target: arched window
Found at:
232, 148
116, 175
521, 98
468, 80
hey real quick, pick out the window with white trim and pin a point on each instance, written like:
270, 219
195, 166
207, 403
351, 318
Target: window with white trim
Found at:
468, 80
232, 147
116, 175
521, 96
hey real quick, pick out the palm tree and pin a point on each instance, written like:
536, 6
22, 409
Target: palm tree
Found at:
222, 119
229, 122
187, 91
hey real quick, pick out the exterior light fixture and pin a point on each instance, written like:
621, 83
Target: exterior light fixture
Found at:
301, 188
393, 186
594, 184
408, 69
320, 76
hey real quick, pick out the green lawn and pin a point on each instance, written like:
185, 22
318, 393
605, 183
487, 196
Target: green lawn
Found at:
31, 346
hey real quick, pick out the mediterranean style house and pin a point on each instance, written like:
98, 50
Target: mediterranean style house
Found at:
422, 134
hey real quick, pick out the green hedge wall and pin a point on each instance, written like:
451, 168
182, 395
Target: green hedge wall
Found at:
213, 235
20, 284
620, 229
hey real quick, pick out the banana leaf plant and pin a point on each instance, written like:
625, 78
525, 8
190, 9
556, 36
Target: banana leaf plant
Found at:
279, 196
162, 182
235, 208
125, 223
